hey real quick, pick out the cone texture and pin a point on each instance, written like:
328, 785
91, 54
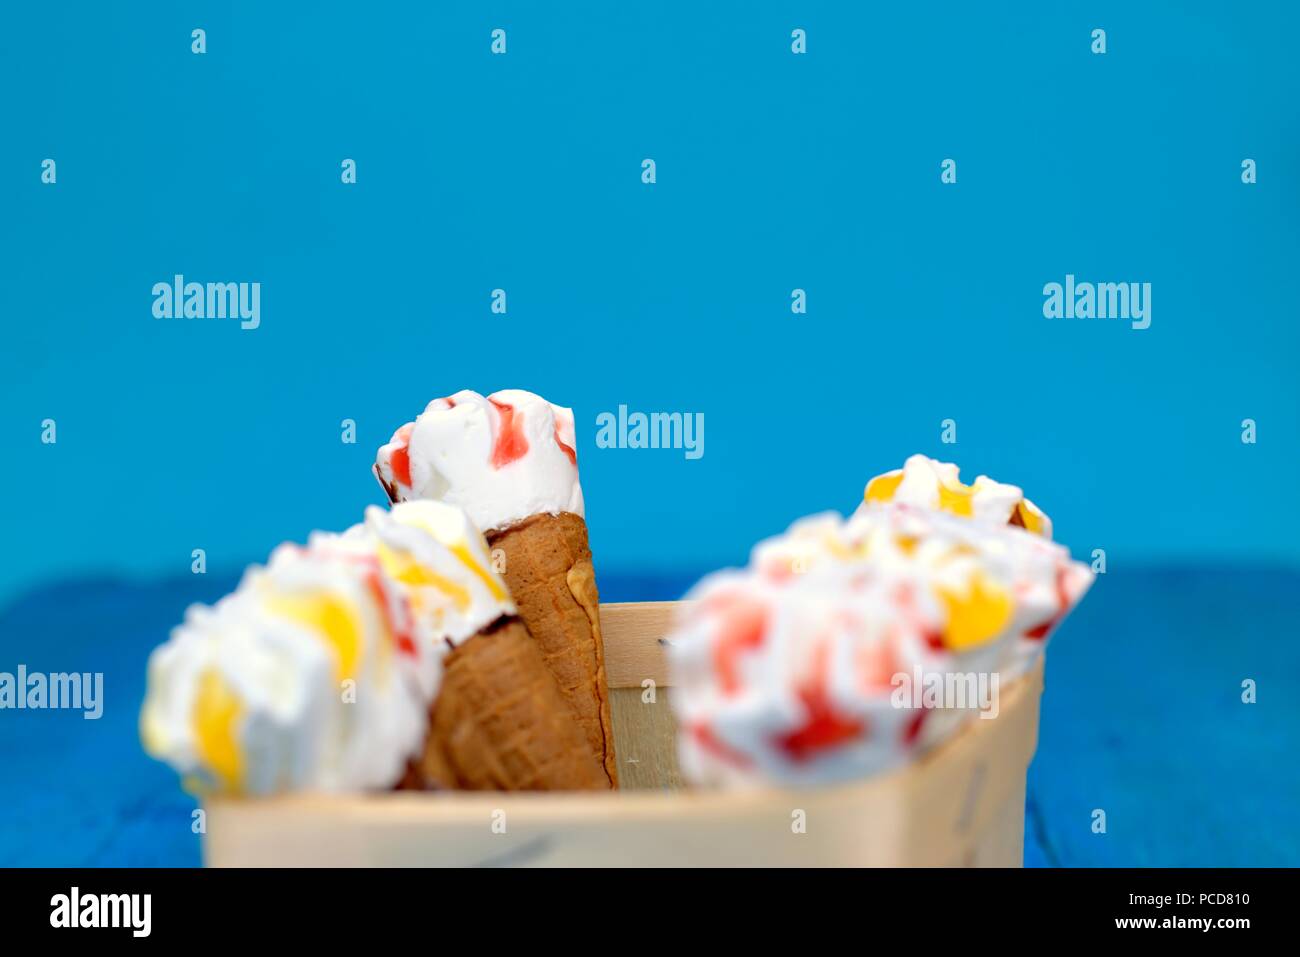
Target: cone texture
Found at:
500, 723
549, 573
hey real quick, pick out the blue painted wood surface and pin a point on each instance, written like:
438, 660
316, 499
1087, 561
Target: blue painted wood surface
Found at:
1142, 719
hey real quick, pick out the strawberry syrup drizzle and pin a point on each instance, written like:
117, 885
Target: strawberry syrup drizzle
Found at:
744, 624
824, 729
912, 730
378, 588
878, 663
1039, 632
402, 635
566, 449
706, 739
510, 443
932, 636
400, 458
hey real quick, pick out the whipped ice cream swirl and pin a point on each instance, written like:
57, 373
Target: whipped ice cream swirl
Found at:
317, 673
305, 678
442, 562
501, 458
927, 483
791, 684
784, 672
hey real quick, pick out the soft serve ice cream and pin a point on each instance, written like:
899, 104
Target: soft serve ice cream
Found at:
927, 483
510, 461
502, 458
318, 672
791, 684
990, 579
303, 679
787, 671
441, 560
438, 565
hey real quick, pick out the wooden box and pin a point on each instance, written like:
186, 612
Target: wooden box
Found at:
961, 805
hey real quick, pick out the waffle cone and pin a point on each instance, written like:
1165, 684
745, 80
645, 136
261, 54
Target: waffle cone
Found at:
500, 723
548, 570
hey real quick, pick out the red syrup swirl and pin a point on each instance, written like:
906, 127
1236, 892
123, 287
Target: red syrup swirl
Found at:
400, 633
824, 728
566, 449
706, 738
1039, 632
399, 460
510, 444
744, 625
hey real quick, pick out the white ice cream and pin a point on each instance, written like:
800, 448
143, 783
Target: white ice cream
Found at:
790, 684
784, 672
317, 673
501, 458
442, 562
299, 680
927, 483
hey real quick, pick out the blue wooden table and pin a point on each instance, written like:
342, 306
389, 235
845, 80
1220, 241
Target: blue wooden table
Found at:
1142, 719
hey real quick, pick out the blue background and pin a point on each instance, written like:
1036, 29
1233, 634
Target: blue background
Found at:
775, 172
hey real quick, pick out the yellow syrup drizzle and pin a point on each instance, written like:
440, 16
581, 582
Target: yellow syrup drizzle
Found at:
1030, 517
836, 548
215, 716
882, 487
957, 498
330, 617
408, 571
461, 551
976, 614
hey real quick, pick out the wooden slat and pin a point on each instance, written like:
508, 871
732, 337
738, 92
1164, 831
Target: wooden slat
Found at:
645, 735
961, 803
633, 633
645, 739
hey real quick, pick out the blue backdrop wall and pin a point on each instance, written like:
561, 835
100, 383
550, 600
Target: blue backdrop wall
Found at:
774, 171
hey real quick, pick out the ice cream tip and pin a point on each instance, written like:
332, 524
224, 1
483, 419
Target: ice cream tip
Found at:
502, 457
928, 483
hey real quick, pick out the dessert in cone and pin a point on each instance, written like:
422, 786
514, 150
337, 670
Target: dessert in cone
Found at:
390, 655
840, 650
509, 461
548, 569
499, 721
307, 677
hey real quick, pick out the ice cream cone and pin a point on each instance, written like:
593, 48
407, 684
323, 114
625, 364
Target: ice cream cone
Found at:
500, 723
510, 461
547, 567
388, 655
